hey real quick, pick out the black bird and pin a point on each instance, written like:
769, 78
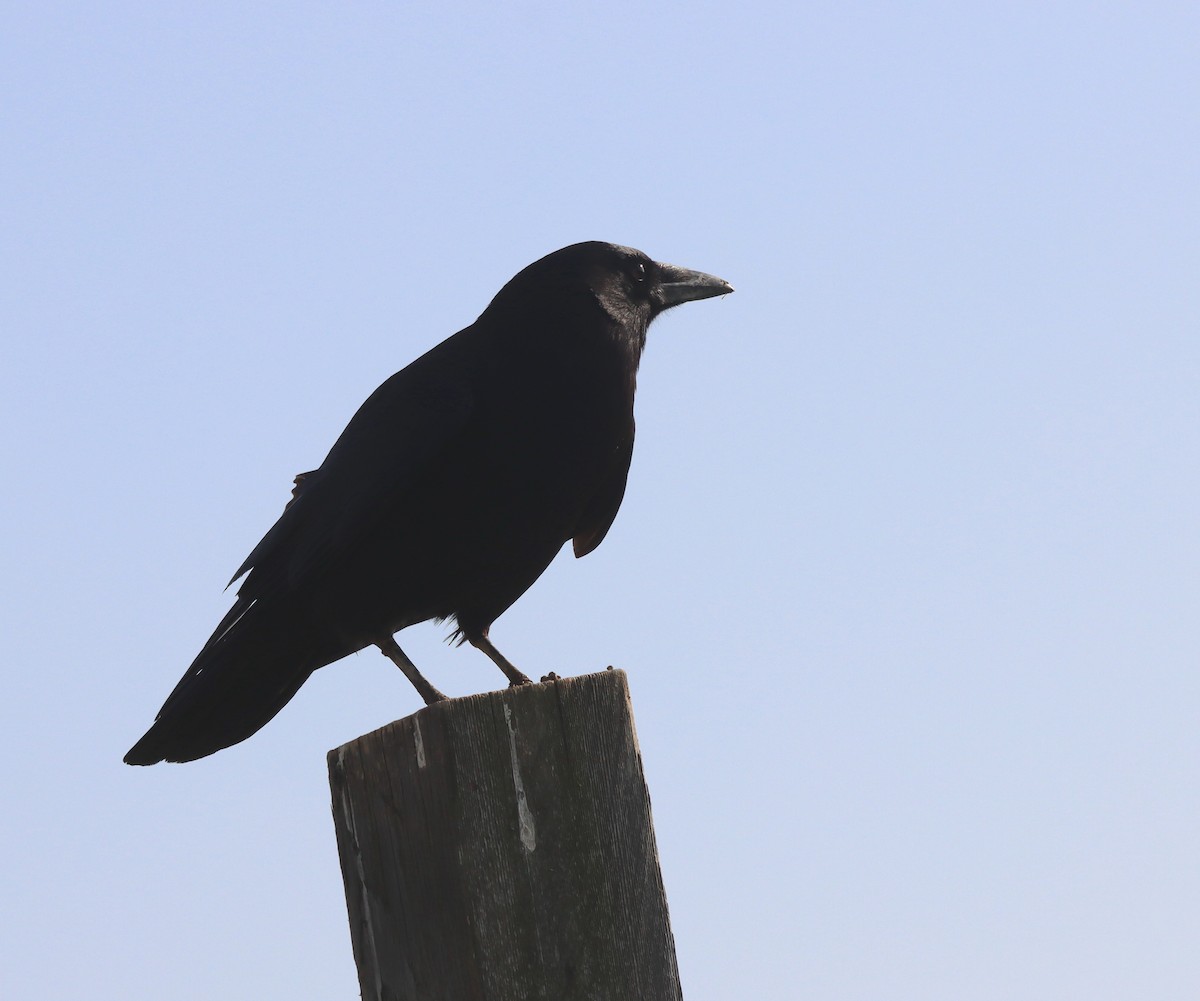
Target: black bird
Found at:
447, 495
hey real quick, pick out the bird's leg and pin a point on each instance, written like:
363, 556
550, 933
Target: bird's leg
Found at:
398, 657
515, 676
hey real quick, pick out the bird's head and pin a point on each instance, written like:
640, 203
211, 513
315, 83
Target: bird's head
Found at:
626, 284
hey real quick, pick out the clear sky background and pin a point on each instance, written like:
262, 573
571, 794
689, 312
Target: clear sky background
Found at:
906, 576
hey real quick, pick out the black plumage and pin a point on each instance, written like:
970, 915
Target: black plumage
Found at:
446, 497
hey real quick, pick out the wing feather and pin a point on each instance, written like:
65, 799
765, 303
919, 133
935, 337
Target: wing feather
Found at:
393, 436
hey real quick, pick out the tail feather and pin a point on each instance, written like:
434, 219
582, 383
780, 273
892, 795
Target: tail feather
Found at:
256, 660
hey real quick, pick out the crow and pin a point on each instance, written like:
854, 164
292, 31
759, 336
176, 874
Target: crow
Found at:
446, 497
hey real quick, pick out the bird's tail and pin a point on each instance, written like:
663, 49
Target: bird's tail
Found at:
250, 668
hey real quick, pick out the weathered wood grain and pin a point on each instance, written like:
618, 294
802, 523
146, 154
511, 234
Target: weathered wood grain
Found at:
500, 848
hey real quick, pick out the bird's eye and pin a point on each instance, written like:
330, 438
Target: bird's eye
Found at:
639, 272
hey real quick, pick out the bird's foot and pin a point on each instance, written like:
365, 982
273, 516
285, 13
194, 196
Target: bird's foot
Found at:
514, 674
398, 657
550, 677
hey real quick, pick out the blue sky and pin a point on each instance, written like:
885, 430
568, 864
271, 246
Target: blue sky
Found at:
905, 579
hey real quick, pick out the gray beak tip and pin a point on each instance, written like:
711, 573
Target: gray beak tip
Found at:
684, 285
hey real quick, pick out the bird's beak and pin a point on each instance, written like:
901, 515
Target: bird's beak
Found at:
681, 285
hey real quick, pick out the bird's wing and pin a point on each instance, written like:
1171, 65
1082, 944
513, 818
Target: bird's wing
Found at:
606, 501
394, 434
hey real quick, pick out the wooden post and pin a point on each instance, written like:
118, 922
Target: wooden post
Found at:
500, 848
